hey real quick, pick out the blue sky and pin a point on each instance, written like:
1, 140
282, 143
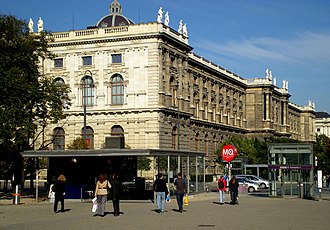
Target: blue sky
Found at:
290, 37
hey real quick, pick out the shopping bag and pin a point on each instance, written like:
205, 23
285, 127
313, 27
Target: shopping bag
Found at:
168, 198
94, 207
52, 197
186, 203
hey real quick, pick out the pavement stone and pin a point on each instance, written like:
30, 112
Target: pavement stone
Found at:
255, 211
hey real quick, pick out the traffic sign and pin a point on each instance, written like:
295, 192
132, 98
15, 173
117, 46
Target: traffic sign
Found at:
229, 152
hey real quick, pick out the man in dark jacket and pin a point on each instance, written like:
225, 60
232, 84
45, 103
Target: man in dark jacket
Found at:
181, 188
116, 188
160, 188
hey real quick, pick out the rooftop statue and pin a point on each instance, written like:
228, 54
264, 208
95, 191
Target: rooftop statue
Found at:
30, 25
180, 27
160, 15
40, 25
185, 31
167, 19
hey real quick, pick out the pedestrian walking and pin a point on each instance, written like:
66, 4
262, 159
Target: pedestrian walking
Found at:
233, 188
59, 190
222, 189
181, 188
101, 192
116, 189
160, 188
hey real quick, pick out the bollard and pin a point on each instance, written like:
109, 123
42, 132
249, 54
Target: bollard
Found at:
16, 196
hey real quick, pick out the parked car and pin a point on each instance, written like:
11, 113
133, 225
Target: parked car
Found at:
263, 183
252, 186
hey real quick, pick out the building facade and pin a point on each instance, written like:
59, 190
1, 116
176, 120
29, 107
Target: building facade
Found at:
144, 82
322, 123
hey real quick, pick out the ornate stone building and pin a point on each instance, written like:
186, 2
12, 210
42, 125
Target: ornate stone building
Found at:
322, 123
144, 81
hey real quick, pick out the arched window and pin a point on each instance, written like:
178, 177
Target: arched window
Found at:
87, 86
117, 90
60, 86
117, 130
59, 139
89, 137
59, 81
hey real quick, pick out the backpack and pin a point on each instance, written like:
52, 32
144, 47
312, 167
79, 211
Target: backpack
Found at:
221, 185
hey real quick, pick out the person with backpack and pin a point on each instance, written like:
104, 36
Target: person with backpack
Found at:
222, 189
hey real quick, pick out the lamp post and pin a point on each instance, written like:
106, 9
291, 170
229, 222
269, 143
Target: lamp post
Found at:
178, 111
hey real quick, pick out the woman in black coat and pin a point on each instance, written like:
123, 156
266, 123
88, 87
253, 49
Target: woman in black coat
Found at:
59, 189
233, 188
116, 188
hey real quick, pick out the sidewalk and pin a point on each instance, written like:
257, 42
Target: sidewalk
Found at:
254, 212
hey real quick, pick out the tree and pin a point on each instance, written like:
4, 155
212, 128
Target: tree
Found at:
322, 152
29, 101
77, 143
143, 163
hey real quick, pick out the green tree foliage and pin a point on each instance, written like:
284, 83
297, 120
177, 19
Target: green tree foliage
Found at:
322, 152
29, 101
77, 143
143, 163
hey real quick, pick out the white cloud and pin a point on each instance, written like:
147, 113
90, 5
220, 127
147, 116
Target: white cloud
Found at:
300, 48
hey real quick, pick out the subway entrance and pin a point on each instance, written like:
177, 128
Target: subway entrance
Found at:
291, 170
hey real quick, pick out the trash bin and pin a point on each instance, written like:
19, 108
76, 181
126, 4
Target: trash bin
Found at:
16, 196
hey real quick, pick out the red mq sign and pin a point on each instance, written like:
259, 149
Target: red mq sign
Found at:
228, 153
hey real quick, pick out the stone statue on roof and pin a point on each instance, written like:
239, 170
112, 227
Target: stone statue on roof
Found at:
160, 15
167, 19
40, 25
30, 25
285, 85
185, 30
180, 27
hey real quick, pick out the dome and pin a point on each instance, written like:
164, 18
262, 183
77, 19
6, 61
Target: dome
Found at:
115, 18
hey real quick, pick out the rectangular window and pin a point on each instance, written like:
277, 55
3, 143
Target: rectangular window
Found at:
58, 63
116, 58
87, 60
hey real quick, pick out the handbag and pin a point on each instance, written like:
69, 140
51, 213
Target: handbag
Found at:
168, 198
186, 202
94, 206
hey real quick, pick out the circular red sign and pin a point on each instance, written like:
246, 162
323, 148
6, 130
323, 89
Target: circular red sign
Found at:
228, 153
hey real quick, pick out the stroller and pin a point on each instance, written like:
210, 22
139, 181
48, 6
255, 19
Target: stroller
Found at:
234, 198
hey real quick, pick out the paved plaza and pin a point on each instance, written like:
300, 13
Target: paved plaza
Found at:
255, 211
